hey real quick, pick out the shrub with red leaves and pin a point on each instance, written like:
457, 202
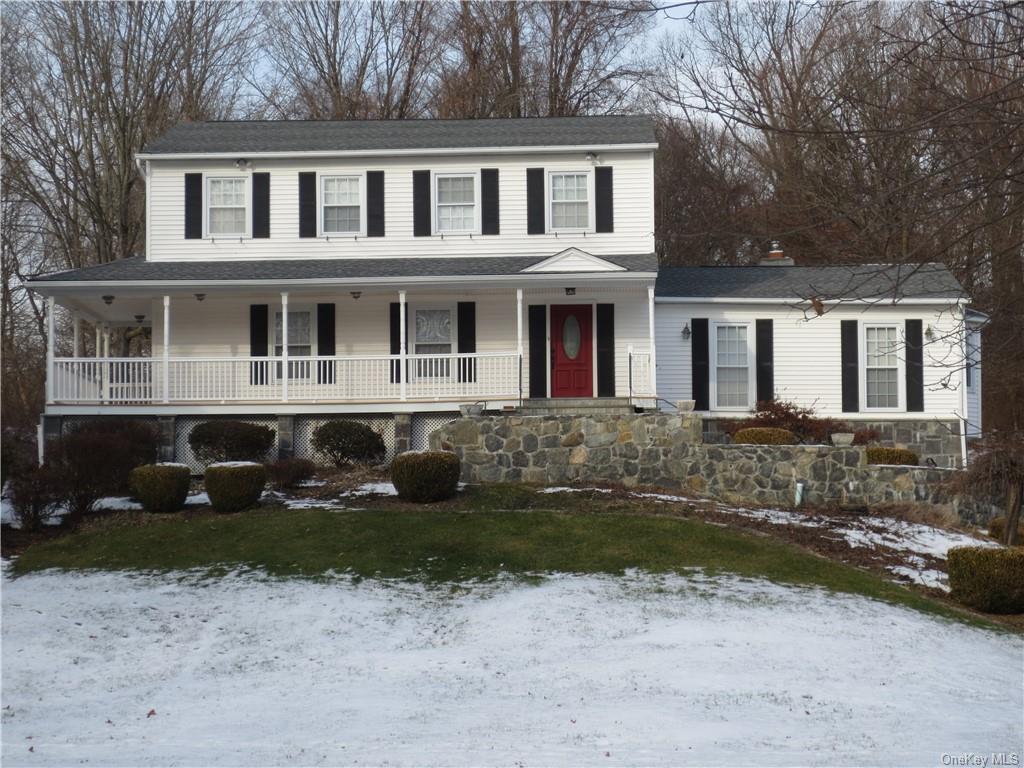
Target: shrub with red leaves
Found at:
781, 414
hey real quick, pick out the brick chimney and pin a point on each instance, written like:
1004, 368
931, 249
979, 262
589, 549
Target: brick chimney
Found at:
776, 258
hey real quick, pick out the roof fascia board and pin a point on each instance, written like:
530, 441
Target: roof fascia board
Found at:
499, 150
795, 299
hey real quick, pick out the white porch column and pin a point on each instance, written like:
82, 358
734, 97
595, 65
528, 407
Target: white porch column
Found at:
403, 368
519, 340
77, 338
167, 349
650, 332
99, 340
284, 347
51, 305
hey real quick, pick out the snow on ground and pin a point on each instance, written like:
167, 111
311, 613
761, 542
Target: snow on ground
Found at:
121, 670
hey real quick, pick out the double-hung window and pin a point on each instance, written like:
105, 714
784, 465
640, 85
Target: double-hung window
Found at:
300, 341
341, 205
432, 335
732, 366
570, 201
227, 209
456, 203
881, 365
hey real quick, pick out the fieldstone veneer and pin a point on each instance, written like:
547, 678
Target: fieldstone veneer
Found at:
667, 451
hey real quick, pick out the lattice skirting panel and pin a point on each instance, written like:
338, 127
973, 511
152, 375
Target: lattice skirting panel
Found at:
305, 426
184, 425
425, 423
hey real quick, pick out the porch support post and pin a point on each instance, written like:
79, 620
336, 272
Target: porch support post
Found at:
99, 339
77, 338
167, 349
650, 336
403, 370
51, 305
284, 347
519, 342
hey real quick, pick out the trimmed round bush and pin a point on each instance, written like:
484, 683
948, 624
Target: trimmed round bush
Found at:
425, 477
234, 486
160, 487
345, 442
288, 473
215, 441
880, 454
997, 527
987, 578
764, 436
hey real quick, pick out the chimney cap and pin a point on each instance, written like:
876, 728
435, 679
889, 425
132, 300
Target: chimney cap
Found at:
776, 257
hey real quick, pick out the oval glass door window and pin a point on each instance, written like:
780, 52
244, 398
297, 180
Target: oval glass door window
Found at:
571, 337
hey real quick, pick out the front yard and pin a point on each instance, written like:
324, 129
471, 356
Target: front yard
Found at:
508, 626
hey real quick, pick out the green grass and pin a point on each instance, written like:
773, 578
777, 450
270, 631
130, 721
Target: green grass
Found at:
441, 545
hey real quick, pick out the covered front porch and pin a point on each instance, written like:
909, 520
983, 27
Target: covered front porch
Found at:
370, 348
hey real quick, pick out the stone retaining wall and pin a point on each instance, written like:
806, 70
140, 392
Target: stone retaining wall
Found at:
666, 450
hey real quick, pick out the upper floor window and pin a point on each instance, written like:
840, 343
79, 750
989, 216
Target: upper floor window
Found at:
228, 208
456, 203
732, 366
881, 365
570, 201
340, 199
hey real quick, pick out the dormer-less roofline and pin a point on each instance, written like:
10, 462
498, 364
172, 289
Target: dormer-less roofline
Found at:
441, 151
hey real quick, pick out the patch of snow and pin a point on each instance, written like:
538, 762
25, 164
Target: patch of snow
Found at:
312, 483
197, 498
121, 670
566, 489
668, 498
372, 489
235, 464
118, 504
109, 503
926, 577
171, 464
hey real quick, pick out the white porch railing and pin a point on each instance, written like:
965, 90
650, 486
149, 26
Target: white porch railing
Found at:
466, 377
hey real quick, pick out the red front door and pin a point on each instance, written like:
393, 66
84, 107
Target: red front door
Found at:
572, 351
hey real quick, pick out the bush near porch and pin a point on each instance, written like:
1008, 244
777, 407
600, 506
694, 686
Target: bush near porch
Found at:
214, 441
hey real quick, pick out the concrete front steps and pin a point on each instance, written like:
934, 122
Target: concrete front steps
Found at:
572, 406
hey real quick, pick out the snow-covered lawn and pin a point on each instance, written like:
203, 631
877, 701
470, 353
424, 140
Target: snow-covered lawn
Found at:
120, 670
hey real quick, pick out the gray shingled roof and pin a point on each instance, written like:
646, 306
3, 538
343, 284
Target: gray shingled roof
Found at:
887, 281
252, 136
138, 269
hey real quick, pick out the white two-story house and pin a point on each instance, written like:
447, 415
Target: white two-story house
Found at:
390, 271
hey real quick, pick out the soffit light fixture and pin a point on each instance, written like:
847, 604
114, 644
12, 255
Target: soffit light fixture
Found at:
355, 294
200, 296
570, 291
108, 300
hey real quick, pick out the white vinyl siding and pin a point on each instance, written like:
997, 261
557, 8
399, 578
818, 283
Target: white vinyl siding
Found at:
732, 378
341, 205
634, 211
881, 367
456, 210
570, 201
227, 209
807, 353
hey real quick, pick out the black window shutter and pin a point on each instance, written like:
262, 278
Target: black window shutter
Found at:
466, 312
193, 206
395, 323
915, 366
604, 206
490, 219
375, 203
259, 331
765, 360
538, 325
851, 364
606, 350
700, 364
261, 205
307, 204
535, 201
325, 343
421, 203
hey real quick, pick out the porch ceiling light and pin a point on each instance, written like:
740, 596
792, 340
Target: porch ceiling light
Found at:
356, 294
929, 333
139, 318
686, 332
570, 291
200, 296
242, 164
108, 300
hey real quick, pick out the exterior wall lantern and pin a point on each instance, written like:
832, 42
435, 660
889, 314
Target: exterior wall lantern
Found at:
686, 332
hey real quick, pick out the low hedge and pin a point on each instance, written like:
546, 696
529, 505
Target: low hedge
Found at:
997, 527
288, 473
160, 487
344, 442
234, 486
988, 578
880, 454
425, 477
764, 436
216, 441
